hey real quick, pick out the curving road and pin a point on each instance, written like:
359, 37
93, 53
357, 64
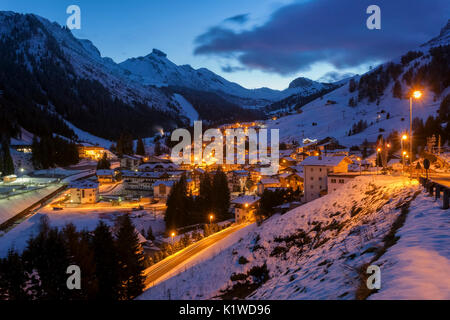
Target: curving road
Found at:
158, 270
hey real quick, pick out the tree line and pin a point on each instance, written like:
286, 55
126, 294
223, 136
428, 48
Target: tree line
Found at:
111, 264
184, 209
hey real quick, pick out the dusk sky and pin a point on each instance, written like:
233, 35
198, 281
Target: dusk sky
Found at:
253, 42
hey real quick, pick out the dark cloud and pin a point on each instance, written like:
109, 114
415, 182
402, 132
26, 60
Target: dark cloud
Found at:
334, 76
239, 19
230, 69
303, 33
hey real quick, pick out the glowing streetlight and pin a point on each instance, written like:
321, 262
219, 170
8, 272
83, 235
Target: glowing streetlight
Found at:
172, 235
404, 137
210, 218
246, 205
416, 95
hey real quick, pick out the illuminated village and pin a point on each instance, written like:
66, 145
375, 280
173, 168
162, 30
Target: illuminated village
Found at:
148, 180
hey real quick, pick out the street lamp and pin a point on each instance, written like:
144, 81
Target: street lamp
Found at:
376, 160
359, 159
416, 95
210, 218
172, 235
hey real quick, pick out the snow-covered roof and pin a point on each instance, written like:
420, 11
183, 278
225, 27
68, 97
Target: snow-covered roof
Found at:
134, 157
140, 174
298, 168
324, 161
169, 183
245, 199
158, 165
83, 184
393, 161
269, 181
105, 172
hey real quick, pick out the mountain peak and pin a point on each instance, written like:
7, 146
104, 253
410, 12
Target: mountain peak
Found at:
300, 82
159, 53
442, 39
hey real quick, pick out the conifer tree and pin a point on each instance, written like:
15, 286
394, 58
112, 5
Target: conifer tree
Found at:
140, 149
130, 260
103, 163
221, 194
12, 277
106, 263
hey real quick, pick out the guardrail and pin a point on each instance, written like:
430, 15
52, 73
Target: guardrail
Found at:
435, 189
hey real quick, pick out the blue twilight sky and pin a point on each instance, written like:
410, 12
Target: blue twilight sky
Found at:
252, 42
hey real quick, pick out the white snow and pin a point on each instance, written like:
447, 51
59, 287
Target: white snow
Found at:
186, 107
417, 266
327, 266
82, 218
10, 207
84, 136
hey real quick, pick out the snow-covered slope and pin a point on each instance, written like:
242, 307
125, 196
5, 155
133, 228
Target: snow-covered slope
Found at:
155, 69
316, 251
332, 115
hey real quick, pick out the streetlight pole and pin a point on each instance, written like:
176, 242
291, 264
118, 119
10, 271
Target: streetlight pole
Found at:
416, 95
410, 127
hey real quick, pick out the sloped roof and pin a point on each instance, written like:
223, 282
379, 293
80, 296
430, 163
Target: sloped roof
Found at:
169, 183
324, 161
269, 181
246, 199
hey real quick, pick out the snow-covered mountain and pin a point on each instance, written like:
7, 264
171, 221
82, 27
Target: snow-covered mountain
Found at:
47, 71
157, 70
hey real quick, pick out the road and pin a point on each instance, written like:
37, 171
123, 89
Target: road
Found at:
165, 266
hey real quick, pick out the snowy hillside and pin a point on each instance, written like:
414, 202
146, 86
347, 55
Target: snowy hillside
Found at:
316, 251
335, 113
155, 69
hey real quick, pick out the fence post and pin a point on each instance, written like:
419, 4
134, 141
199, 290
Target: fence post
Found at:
430, 189
445, 204
438, 192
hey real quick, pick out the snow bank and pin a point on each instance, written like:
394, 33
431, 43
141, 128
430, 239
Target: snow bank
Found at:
417, 266
312, 252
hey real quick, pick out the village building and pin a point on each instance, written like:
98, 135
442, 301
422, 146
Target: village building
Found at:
291, 180
267, 183
337, 180
158, 166
83, 192
161, 189
142, 182
245, 208
237, 180
315, 173
131, 162
395, 164
88, 151
105, 176
10, 178
287, 162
